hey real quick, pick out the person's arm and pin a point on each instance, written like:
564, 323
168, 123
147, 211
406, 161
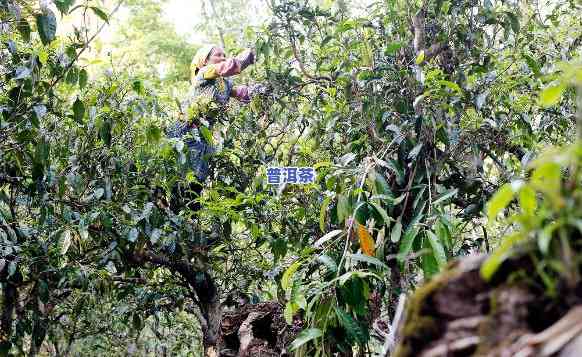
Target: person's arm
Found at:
227, 68
241, 93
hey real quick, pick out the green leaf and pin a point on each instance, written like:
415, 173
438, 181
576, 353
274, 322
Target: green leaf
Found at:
406, 243
78, 111
304, 337
290, 309
355, 332
396, 231
288, 274
327, 237
72, 76
64, 5
343, 208
551, 95
429, 264
445, 196
545, 236
381, 185
514, 21
43, 291
105, 132
132, 235
437, 249
323, 212
153, 134
47, 26
138, 87
42, 152
326, 260
382, 212
527, 200
499, 201
492, 263
24, 28
368, 259
415, 151
83, 78
444, 233
11, 268
392, 48
547, 177
446, 7
452, 86
100, 13
206, 134
532, 64
43, 56
351, 274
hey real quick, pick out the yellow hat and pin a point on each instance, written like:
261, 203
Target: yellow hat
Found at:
201, 57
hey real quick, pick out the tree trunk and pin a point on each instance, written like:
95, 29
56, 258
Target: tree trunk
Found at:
207, 296
39, 331
209, 303
9, 298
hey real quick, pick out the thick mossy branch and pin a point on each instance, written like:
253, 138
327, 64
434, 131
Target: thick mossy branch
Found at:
458, 313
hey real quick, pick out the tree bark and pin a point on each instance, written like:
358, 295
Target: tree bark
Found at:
206, 293
9, 298
209, 303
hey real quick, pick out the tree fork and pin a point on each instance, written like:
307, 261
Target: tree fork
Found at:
206, 292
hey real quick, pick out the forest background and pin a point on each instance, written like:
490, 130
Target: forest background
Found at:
414, 114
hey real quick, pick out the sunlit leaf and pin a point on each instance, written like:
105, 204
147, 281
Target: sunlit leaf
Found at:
493, 262
65, 242
420, 57
396, 231
551, 95
547, 177
499, 201
304, 337
527, 199
327, 237
415, 151
288, 274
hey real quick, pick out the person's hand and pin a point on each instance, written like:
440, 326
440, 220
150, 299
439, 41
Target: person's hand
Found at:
246, 58
256, 89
